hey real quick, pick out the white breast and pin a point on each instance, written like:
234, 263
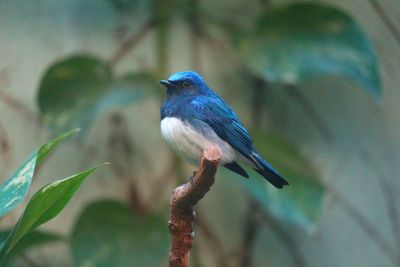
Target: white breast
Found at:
190, 143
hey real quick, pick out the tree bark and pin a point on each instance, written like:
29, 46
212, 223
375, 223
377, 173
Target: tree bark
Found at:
183, 199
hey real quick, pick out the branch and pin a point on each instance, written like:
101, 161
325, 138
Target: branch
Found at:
5, 149
257, 103
132, 42
214, 244
20, 107
195, 34
388, 196
310, 110
183, 199
386, 20
251, 229
364, 223
292, 246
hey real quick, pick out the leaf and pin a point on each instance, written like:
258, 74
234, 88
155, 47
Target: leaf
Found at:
43, 206
74, 90
30, 240
15, 188
109, 233
226, 11
301, 202
296, 42
137, 7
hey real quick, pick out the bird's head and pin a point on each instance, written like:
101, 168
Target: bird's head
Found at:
185, 83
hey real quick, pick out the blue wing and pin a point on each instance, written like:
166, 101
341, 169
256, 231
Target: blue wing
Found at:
221, 118
216, 113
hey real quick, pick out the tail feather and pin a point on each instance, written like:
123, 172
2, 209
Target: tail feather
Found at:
235, 167
266, 170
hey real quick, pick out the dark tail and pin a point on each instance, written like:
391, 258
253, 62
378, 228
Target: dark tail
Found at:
266, 170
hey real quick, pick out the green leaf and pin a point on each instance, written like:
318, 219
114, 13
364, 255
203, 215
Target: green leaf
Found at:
15, 188
30, 240
299, 41
74, 90
301, 202
110, 233
43, 206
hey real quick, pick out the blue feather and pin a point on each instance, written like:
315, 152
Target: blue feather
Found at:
191, 100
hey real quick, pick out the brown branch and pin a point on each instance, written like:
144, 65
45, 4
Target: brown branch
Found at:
131, 42
183, 199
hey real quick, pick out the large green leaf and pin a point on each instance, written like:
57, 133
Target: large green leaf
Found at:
301, 202
110, 233
299, 41
14, 189
74, 90
43, 206
30, 240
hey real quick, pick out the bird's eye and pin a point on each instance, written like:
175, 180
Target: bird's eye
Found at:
186, 84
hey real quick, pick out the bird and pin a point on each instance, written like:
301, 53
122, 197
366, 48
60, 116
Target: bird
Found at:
194, 117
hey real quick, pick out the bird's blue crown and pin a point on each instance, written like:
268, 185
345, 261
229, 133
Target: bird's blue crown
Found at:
186, 75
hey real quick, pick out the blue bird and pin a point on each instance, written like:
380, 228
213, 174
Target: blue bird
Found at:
193, 117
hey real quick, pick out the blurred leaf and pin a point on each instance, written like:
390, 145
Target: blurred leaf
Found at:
43, 206
109, 233
74, 90
301, 202
30, 240
137, 7
226, 11
297, 42
14, 189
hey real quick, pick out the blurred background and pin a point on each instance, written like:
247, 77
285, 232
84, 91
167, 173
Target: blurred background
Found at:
315, 82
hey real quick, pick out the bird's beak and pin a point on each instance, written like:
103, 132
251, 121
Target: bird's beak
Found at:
166, 83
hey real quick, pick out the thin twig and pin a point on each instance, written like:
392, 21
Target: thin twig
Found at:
5, 149
28, 260
216, 246
385, 18
365, 224
287, 240
19, 107
251, 228
162, 10
183, 199
168, 175
195, 33
131, 42
388, 195
309, 109
258, 102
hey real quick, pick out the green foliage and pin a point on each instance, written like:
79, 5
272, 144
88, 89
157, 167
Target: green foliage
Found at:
74, 90
30, 240
14, 189
296, 42
109, 233
43, 206
300, 203
287, 44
